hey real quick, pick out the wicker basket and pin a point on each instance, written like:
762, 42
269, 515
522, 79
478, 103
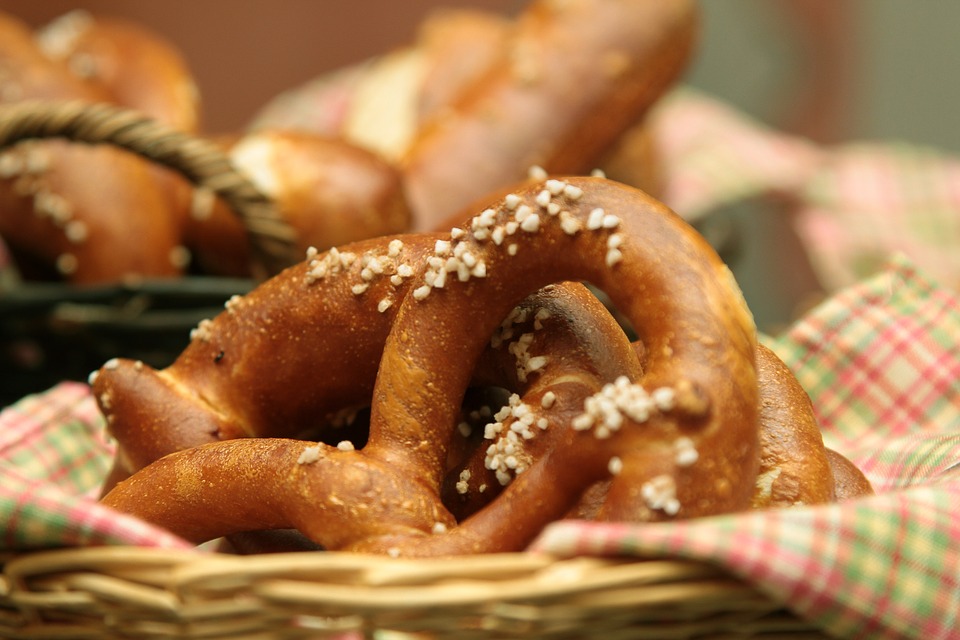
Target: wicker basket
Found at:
51, 332
119, 592
143, 593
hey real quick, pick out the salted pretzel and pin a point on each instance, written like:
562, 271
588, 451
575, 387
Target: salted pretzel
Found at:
216, 388
328, 191
56, 217
574, 77
793, 458
135, 66
555, 85
26, 72
70, 210
698, 364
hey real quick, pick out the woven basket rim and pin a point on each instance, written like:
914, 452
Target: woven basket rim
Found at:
109, 590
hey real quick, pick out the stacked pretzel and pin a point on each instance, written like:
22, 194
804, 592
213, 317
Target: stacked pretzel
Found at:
559, 86
490, 393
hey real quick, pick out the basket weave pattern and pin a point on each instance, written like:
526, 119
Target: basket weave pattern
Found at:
124, 592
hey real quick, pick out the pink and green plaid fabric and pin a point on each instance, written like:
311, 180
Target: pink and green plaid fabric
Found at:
855, 204
53, 458
881, 361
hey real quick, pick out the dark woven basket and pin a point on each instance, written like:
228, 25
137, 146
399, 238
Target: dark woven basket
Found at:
50, 332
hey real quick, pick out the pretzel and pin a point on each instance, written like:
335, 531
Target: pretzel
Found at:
556, 86
319, 463
55, 216
574, 77
136, 67
59, 225
71, 210
849, 481
707, 383
216, 388
329, 192
792, 452
27, 72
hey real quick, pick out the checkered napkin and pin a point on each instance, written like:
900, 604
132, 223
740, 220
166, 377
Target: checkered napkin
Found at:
53, 458
881, 361
854, 204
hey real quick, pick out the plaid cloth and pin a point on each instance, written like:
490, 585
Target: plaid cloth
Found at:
881, 361
53, 457
855, 204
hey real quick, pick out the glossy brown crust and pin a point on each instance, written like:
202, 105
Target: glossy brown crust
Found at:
849, 480
794, 468
59, 225
136, 66
79, 213
282, 360
321, 498
706, 356
27, 73
458, 46
574, 76
330, 192
700, 342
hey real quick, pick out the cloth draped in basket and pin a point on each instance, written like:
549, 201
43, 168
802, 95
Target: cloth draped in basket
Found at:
881, 361
854, 203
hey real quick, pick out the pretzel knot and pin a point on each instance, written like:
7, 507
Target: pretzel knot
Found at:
592, 426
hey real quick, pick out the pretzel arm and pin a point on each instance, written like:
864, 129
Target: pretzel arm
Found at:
570, 78
333, 496
250, 370
557, 347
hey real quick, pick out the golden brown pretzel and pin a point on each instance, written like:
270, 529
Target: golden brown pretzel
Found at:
699, 349
69, 211
555, 86
296, 326
573, 76
795, 466
702, 361
57, 216
792, 454
26, 72
849, 481
328, 191
137, 67
574, 324
72, 215
216, 388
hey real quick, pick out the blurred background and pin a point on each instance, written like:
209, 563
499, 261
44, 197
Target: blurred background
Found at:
833, 70
830, 71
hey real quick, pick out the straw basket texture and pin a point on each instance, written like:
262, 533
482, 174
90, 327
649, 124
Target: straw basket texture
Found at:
67, 330
142, 593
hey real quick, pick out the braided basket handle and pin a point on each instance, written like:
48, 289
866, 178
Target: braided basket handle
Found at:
198, 160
